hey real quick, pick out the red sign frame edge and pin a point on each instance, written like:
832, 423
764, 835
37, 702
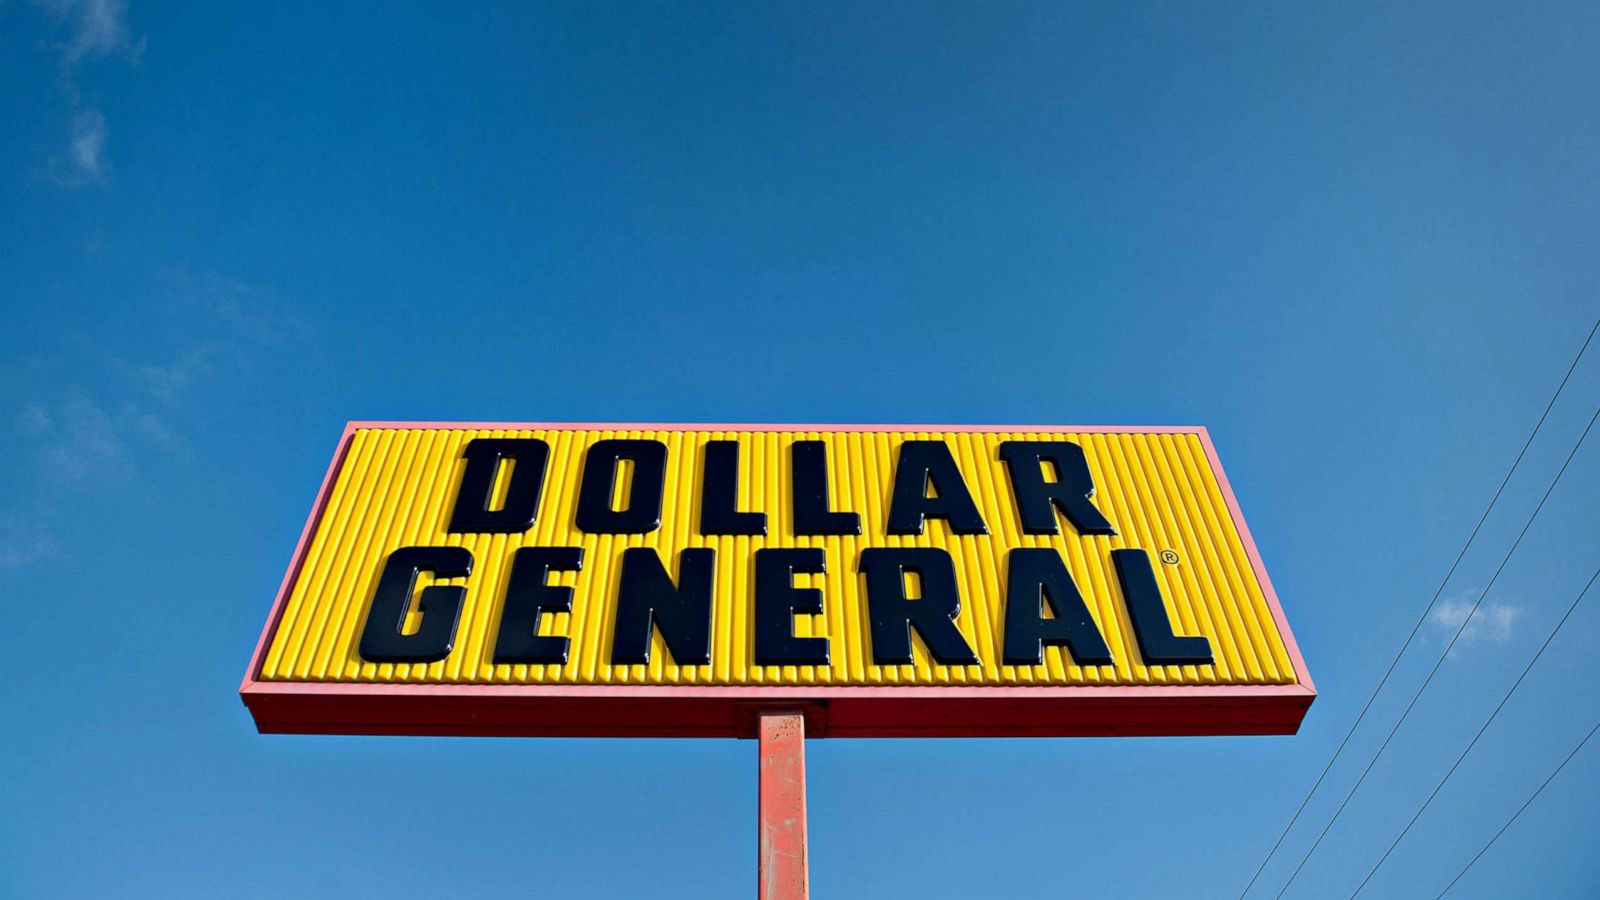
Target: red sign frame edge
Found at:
287, 707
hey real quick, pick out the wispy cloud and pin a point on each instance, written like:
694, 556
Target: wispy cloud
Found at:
22, 543
91, 30
75, 439
115, 420
86, 146
133, 404
168, 380
1493, 622
97, 29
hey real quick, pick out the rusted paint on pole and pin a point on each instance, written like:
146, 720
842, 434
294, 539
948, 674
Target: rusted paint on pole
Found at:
783, 865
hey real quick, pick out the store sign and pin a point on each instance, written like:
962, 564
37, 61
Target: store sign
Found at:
668, 579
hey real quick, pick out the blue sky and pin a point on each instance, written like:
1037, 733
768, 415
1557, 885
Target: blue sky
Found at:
1355, 240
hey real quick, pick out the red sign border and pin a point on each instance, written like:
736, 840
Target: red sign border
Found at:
298, 707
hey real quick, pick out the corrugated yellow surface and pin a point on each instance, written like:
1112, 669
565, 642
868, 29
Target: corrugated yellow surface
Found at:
396, 488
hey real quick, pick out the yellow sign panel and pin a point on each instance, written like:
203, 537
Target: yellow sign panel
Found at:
810, 557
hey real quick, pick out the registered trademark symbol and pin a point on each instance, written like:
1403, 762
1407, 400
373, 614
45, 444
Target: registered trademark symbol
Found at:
1170, 557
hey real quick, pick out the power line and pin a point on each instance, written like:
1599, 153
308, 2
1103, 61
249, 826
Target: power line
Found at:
1424, 617
1474, 742
1435, 670
1525, 804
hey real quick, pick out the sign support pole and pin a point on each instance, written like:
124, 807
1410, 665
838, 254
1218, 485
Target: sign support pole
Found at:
783, 866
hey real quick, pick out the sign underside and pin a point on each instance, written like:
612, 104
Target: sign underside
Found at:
668, 580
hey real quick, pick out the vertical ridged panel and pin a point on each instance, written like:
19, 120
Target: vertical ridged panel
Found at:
397, 485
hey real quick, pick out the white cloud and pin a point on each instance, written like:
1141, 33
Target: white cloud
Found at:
23, 542
95, 30
1492, 623
93, 421
114, 422
166, 381
99, 28
86, 147
77, 440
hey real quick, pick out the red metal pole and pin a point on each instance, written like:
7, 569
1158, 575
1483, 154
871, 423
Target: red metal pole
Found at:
783, 866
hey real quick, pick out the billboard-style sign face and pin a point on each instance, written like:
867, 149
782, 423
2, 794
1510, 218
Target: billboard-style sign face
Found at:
672, 579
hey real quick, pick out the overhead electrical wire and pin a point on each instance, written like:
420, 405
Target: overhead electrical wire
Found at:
1424, 617
1442, 656
1474, 742
1525, 804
